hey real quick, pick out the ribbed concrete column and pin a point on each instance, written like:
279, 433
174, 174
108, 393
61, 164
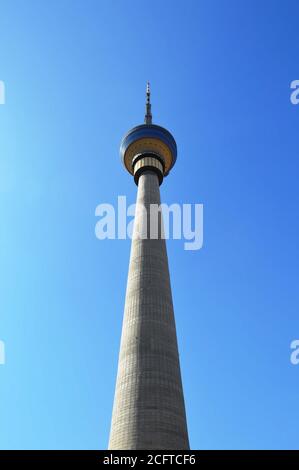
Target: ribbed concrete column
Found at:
149, 411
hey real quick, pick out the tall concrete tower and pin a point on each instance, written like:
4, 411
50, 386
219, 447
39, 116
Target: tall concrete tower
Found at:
149, 410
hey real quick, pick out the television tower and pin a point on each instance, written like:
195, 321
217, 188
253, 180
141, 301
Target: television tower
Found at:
149, 409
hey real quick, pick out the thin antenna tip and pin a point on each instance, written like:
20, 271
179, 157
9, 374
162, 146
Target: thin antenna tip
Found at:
148, 115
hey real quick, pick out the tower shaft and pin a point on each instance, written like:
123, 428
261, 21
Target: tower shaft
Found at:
149, 410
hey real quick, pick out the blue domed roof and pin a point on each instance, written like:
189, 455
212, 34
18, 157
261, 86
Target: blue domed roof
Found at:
150, 131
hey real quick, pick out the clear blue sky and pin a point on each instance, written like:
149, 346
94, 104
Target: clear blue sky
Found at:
75, 74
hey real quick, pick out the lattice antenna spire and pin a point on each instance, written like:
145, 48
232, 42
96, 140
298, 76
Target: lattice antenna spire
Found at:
148, 114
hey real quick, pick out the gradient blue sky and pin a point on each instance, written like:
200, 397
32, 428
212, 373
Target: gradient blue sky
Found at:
75, 74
